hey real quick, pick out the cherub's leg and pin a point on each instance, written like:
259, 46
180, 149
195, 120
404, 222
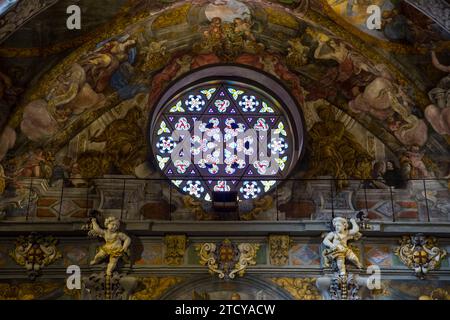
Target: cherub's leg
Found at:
340, 262
111, 265
351, 256
99, 257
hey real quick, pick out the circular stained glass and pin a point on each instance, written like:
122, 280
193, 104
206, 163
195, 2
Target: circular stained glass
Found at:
225, 134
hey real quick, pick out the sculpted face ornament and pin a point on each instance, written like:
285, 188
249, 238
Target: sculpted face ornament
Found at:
227, 259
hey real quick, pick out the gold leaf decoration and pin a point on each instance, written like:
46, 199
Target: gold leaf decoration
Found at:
155, 287
299, 288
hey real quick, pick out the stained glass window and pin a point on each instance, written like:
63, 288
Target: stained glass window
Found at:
212, 121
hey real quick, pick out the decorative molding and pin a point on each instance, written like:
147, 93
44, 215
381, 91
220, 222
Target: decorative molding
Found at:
100, 286
344, 287
35, 252
299, 288
420, 253
279, 246
175, 249
227, 258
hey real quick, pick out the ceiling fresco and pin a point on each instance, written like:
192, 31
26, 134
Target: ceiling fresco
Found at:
69, 99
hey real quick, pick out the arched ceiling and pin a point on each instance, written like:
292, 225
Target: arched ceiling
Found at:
283, 38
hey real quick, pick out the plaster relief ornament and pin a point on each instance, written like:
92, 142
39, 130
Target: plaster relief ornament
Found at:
420, 253
35, 252
279, 246
175, 248
438, 113
115, 287
337, 250
116, 243
227, 258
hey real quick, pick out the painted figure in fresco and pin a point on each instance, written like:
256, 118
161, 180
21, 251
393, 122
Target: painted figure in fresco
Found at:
243, 28
212, 37
174, 68
104, 61
37, 123
116, 243
413, 165
438, 113
68, 173
70, 95
414, 133
124, 149
393, 176
385, 175
378, 181
297, 53
385, 100
335, 152
155, 56
352, 73
77, 89
338, 250
228, 39
36, 164
185, 65
271, 63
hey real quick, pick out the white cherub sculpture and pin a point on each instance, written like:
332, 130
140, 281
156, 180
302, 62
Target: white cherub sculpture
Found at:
116, 243
337, 247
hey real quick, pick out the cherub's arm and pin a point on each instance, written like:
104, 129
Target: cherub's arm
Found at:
437, 64
328, 241
126, 241
97, 228
355, 228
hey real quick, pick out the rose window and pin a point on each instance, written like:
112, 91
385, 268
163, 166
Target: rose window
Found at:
226, 134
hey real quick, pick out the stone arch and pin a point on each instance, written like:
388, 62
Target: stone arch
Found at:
248, 287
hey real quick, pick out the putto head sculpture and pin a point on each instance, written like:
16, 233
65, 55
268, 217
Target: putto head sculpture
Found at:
112, 224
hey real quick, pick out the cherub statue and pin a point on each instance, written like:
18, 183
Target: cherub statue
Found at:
336, 242
117, 243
